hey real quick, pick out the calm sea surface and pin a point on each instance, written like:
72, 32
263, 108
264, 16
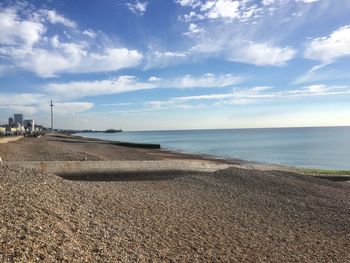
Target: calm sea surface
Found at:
305, 147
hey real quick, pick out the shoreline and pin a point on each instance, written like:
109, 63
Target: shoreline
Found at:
315, 148
173, 151
332, 174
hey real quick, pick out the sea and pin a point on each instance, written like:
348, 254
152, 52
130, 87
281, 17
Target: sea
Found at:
319, 147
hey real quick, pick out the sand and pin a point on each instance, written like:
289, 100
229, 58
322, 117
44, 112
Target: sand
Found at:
232, 215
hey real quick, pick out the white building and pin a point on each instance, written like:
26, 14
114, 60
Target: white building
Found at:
2, 130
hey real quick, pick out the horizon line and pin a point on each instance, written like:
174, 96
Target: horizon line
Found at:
203, 129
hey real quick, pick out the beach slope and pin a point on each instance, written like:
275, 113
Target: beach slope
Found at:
230, 215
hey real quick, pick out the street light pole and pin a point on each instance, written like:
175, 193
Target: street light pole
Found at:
51, 105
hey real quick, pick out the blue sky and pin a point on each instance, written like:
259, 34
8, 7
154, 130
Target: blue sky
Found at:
176, 64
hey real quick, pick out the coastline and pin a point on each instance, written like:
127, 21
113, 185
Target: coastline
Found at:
312, 148
226, 215
331, 174
171, 151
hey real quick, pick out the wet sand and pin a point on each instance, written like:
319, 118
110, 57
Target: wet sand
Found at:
232, 215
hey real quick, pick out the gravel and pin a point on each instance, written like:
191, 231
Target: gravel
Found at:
233, 215
69, 148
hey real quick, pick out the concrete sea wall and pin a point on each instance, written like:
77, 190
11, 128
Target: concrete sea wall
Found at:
7, 139
69, 167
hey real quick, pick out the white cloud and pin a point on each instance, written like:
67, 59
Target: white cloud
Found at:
267, 2
36, 103
271, 2
99, 87
15, 31
72, 58
191, 3
192, 16
27, 28
243, 96
124, 84
232, 30
237, 96
307, 1
21, 99
138, 7
222, 9
90, 33
329, 48
110, 60
261, 54
26, 110
206, 81
319, 88
47, 63
159, 59
72, 107
193, 29
25, 43
153, 79
217, 96
323, 75
55, 18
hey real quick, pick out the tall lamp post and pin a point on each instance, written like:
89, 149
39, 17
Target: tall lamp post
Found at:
51, 105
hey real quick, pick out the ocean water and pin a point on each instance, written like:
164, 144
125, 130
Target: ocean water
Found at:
324, 147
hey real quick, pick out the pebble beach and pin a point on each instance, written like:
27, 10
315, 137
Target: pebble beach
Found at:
231, 215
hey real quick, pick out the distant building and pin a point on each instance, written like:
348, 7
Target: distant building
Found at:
29, 125
39, 128
18, 118
10, 122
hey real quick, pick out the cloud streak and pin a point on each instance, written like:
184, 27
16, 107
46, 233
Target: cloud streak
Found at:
231, 30
243, 96
124, 84
55, 18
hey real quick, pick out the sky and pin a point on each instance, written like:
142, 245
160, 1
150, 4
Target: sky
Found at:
176, 64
